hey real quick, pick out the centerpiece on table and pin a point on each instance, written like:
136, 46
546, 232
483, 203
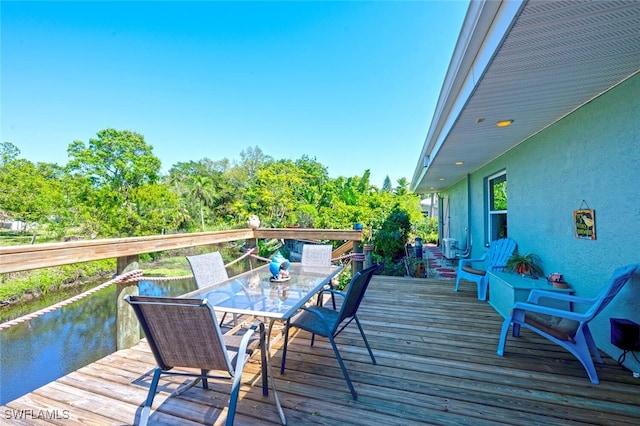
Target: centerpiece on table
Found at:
279, 268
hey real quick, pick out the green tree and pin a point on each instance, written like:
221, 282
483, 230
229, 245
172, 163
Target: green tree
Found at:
386, 185
403, 187
28, 194
273, 196
117, 164
202, 191
250, 161
119, 159
156, 210
206, 189
8, 152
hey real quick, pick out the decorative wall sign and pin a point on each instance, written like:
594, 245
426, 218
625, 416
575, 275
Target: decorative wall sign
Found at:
585, 223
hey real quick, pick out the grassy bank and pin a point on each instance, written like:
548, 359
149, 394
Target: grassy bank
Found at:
25, 286
18, 286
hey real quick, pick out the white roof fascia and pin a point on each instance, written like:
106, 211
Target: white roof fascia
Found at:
484, 28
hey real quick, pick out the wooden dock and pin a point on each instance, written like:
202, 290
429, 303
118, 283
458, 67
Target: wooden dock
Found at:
437, 364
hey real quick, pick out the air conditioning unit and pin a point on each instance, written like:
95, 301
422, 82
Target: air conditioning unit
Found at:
449, 247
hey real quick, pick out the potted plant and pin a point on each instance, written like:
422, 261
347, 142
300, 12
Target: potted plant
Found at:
524, 264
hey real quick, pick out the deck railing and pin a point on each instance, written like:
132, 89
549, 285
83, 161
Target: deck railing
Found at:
127, 251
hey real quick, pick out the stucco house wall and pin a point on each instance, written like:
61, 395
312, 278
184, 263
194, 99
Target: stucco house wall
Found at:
452, 205
589, 158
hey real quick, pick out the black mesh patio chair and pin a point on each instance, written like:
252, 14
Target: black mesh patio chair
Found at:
329, 323
184, 333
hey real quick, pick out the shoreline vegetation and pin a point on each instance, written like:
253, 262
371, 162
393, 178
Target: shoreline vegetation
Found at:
113, 185
24, 286
29, 291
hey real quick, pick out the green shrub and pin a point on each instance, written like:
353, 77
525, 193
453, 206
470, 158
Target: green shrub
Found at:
390, 240
49, 279
344, 279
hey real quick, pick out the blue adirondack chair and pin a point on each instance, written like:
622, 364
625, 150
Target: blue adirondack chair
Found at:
566, 328
495, 260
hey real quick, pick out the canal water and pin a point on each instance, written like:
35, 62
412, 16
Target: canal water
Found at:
48, 347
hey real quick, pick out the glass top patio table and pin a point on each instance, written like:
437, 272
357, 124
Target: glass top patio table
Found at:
252, 292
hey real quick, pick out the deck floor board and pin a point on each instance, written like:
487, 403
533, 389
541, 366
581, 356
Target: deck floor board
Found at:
437, 364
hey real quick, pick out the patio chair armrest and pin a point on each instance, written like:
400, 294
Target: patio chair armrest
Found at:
315, 311
536, 294
556, 312
247, 336
333, 291
241, 360
244, 343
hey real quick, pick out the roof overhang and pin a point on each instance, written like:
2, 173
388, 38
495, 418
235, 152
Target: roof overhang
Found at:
532, 62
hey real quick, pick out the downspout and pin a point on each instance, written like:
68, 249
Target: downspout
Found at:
467, 249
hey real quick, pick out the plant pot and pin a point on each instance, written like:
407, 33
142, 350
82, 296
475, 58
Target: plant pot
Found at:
560, 284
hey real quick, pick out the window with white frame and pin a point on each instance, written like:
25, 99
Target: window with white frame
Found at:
497, 206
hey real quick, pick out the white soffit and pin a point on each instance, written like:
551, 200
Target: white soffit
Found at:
557, 56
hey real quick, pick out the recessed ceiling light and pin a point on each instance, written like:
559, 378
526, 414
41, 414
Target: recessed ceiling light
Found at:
459, 163
441, 179
504, 123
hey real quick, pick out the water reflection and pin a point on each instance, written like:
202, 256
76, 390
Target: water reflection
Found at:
39, 351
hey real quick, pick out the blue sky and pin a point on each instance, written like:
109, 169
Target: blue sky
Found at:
352, 84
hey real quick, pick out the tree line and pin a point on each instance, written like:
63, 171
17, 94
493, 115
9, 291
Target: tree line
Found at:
112, 186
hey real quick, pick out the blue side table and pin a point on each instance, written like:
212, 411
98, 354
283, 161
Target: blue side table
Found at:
507, 288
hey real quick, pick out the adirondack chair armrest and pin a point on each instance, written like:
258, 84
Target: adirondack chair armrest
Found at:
468, 262
535, 295
519, 308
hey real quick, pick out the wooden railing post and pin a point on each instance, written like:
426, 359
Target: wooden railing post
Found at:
127, 325
368, 255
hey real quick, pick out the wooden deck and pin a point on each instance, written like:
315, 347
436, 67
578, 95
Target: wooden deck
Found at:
437, 364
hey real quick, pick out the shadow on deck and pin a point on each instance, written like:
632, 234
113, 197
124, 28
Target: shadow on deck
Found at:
437, 364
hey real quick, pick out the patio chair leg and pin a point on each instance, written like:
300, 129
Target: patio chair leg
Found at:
366, 342
343, 368
591, 344
205, 383
233, 401
146, 409
515, 332
482, 288
503, 335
